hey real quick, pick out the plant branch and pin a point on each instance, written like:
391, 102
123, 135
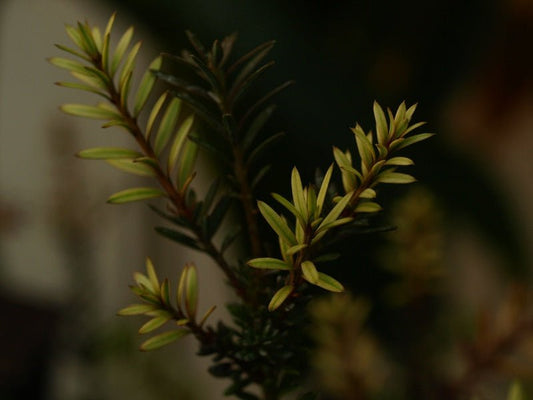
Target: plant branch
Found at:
166, 183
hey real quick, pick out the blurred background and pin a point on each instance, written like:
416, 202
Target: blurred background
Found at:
66, 257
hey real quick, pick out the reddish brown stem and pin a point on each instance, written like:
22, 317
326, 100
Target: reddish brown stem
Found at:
247, 200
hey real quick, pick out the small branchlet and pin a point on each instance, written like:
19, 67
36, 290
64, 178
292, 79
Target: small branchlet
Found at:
157, 305
378, 157
312, 221
311, 224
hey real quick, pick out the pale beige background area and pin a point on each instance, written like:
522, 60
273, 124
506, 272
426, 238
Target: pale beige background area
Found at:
57, 201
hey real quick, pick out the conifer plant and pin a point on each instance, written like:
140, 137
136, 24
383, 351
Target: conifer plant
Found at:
285, 241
